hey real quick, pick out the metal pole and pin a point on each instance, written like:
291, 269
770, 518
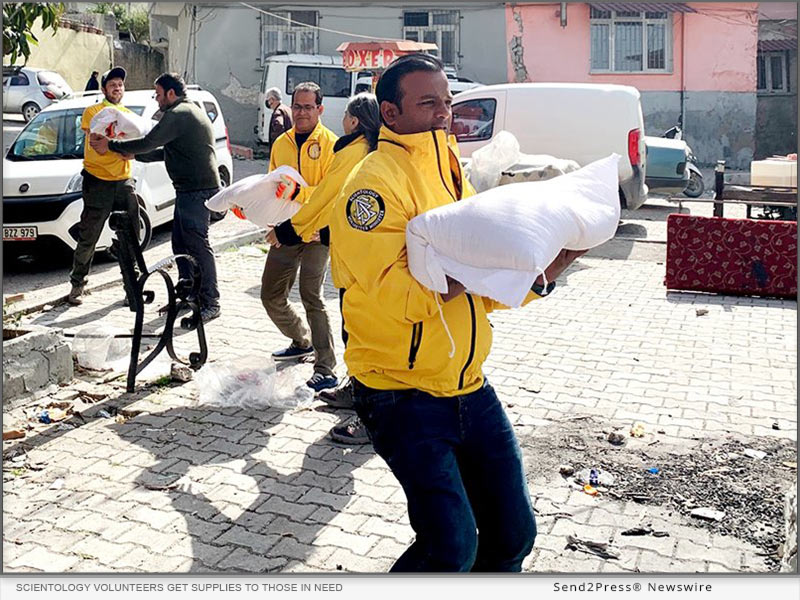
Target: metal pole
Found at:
719, 184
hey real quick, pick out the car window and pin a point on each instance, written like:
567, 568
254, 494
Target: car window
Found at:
334, 82
211, 110
473, 120
50, 135
52, 78
19, 79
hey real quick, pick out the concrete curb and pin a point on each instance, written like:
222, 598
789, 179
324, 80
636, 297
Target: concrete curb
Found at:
242, 239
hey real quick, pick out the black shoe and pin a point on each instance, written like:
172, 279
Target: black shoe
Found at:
293, 352
351, 432
209, 313
341, 397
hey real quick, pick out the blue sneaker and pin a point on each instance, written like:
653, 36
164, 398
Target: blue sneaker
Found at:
319, 382
293, 352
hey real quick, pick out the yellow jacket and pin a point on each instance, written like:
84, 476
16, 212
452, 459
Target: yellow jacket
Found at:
312, 160
316, 212
396, 338
109, 166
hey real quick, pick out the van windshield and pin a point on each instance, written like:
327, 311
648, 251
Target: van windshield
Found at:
53, 135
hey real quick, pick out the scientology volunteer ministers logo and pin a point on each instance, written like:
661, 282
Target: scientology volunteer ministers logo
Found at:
365, 210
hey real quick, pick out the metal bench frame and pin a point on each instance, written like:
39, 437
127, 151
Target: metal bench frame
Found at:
184, 294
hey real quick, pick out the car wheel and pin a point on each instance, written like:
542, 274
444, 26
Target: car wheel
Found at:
30, 110
224, 181
696, 186
145, 234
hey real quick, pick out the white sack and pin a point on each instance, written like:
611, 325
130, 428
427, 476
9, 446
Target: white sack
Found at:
117, 125
255, 196
497, 242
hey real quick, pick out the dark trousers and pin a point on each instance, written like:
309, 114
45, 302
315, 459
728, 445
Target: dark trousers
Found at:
190, 236
460, 467
100, 197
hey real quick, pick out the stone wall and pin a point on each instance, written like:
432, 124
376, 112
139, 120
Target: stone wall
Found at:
72, 52
34, 360
142, 63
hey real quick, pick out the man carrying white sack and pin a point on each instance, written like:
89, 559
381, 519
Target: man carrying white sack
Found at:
308, 148
430, 414
107, 186
187, 137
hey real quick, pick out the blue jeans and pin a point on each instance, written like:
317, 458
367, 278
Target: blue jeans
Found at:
460, 466
190, 236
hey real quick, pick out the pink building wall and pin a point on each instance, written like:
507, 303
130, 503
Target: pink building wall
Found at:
720, 47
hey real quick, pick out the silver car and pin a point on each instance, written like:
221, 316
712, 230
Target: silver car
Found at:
28, 90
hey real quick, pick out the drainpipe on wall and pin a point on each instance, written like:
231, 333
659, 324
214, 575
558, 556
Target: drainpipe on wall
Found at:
188, 48
682, 116
110, 41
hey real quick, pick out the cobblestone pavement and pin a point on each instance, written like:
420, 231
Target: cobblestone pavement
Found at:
173, 486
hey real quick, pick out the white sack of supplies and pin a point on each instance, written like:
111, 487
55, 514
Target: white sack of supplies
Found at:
118, 125
497, 242
255, 197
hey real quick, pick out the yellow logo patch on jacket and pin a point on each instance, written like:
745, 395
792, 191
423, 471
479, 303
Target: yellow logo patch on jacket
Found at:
365, 210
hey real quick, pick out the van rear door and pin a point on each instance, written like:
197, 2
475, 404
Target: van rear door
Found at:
477, 120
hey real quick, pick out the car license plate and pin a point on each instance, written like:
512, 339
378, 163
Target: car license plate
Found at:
20, 234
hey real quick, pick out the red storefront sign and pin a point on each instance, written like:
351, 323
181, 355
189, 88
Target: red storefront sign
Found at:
377, 55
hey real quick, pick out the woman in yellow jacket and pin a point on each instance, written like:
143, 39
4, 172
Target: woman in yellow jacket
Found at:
361, 124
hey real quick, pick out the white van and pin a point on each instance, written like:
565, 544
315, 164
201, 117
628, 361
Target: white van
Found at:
284, 71
582, 122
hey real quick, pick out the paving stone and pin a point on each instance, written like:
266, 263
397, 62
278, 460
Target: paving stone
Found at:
652, 562
242, 560
255, 542
332, 536
355, 563
278, 506
44, 560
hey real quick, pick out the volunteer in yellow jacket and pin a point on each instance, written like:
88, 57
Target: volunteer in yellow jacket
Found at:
430, 412
107, 186
307, 147
361, 122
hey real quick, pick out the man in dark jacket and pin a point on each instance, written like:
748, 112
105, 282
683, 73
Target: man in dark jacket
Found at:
187, 137
281, 119
92, 84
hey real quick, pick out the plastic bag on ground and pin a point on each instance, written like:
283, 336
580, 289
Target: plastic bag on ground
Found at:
96, 347
255, 197
251, 383
497, 242
488, 162
119, 125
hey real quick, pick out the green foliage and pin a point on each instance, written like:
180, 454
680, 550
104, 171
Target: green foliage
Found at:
136, 22
18, 20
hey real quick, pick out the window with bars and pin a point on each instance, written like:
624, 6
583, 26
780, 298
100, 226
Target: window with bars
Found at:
630, 41
280, 35
440, 27
772, 76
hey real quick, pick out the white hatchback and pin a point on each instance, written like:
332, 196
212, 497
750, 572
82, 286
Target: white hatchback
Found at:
42, 181
27, 90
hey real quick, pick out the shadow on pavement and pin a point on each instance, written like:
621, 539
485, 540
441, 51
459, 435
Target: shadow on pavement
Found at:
256, 504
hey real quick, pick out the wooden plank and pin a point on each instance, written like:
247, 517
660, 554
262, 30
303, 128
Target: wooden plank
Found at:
764, 195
